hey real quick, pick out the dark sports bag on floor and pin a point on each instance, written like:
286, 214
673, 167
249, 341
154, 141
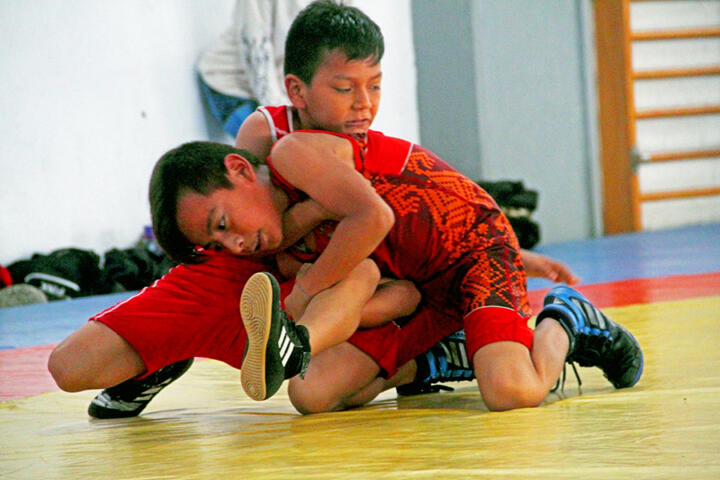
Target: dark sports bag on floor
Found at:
62, 274
518, 204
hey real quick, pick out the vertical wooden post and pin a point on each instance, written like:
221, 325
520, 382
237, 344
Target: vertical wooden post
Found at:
621, 210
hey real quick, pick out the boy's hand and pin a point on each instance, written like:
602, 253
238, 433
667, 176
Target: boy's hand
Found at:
301, 219
541, 266
297, 301
287, 264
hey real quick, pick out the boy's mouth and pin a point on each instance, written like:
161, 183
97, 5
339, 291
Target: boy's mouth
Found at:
257, 246
364, 123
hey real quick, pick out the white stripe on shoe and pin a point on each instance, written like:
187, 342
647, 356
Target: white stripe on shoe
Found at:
283, 342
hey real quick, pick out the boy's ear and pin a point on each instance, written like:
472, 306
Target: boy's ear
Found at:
239, 167
295, 89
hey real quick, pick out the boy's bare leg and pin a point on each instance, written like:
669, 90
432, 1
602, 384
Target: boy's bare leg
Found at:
568, 329
278, 348
342, 377
94, 356
332, 377
333, 315
511, 376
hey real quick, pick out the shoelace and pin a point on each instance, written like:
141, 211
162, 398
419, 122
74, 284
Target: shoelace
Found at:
561, 381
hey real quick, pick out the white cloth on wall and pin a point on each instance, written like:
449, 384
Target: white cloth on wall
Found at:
247, 60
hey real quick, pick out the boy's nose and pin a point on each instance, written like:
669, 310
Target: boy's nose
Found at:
234, 244
362, 98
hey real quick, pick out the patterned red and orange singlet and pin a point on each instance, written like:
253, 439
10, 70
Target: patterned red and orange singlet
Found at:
450, 237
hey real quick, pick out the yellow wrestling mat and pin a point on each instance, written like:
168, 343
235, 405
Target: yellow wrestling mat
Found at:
204, 427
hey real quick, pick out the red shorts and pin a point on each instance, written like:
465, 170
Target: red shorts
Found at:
193, 312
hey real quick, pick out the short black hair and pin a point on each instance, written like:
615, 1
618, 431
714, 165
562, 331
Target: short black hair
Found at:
192, 167
324, 26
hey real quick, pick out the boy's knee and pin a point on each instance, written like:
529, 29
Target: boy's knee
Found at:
369, 270
362, 281
500, 394
307, 400
507, 377
59, 367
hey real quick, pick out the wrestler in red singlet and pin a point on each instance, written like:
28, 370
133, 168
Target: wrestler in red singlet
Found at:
450, 238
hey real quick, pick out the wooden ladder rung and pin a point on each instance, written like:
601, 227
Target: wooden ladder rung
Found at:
677, 72
680, 155
677, 112
703, 32
675, 194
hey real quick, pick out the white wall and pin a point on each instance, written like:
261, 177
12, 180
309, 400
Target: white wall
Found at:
398, 114
94, 91
533, 109
504, 95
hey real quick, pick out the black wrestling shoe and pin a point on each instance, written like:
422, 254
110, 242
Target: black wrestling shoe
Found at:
595, 340
447, 361
276, 348
130, 397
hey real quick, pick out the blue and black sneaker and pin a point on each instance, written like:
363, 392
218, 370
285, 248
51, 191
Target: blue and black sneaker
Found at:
129, 398
595, 340
276, 348
447, 361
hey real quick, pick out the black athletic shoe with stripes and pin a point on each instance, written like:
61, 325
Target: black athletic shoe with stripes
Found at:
276, 348
447, 361
129, 398
595, 340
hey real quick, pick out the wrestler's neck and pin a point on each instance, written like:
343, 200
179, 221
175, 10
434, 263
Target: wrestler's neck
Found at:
278, 195
300, 120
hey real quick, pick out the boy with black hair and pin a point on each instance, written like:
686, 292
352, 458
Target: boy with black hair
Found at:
323, 36
442, 231
144, 343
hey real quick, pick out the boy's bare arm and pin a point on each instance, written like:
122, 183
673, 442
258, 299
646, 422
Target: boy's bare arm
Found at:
323, 167
255, 136
301, 219
537, 265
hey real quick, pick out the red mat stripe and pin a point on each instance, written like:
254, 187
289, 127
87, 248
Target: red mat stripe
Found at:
23, 372
642, 290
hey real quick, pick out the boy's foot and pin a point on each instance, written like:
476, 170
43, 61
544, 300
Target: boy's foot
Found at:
130, 397
447, 361
595, 340
276, 348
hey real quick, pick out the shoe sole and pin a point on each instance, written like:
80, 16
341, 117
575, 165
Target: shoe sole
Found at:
256, 304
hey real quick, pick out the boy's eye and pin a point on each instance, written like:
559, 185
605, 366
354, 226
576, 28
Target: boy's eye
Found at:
342, 90
222, 224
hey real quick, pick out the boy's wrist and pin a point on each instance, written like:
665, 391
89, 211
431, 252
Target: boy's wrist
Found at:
302, 291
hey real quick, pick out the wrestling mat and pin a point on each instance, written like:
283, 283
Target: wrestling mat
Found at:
663, 286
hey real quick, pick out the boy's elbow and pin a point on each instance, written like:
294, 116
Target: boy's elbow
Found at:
385, 217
